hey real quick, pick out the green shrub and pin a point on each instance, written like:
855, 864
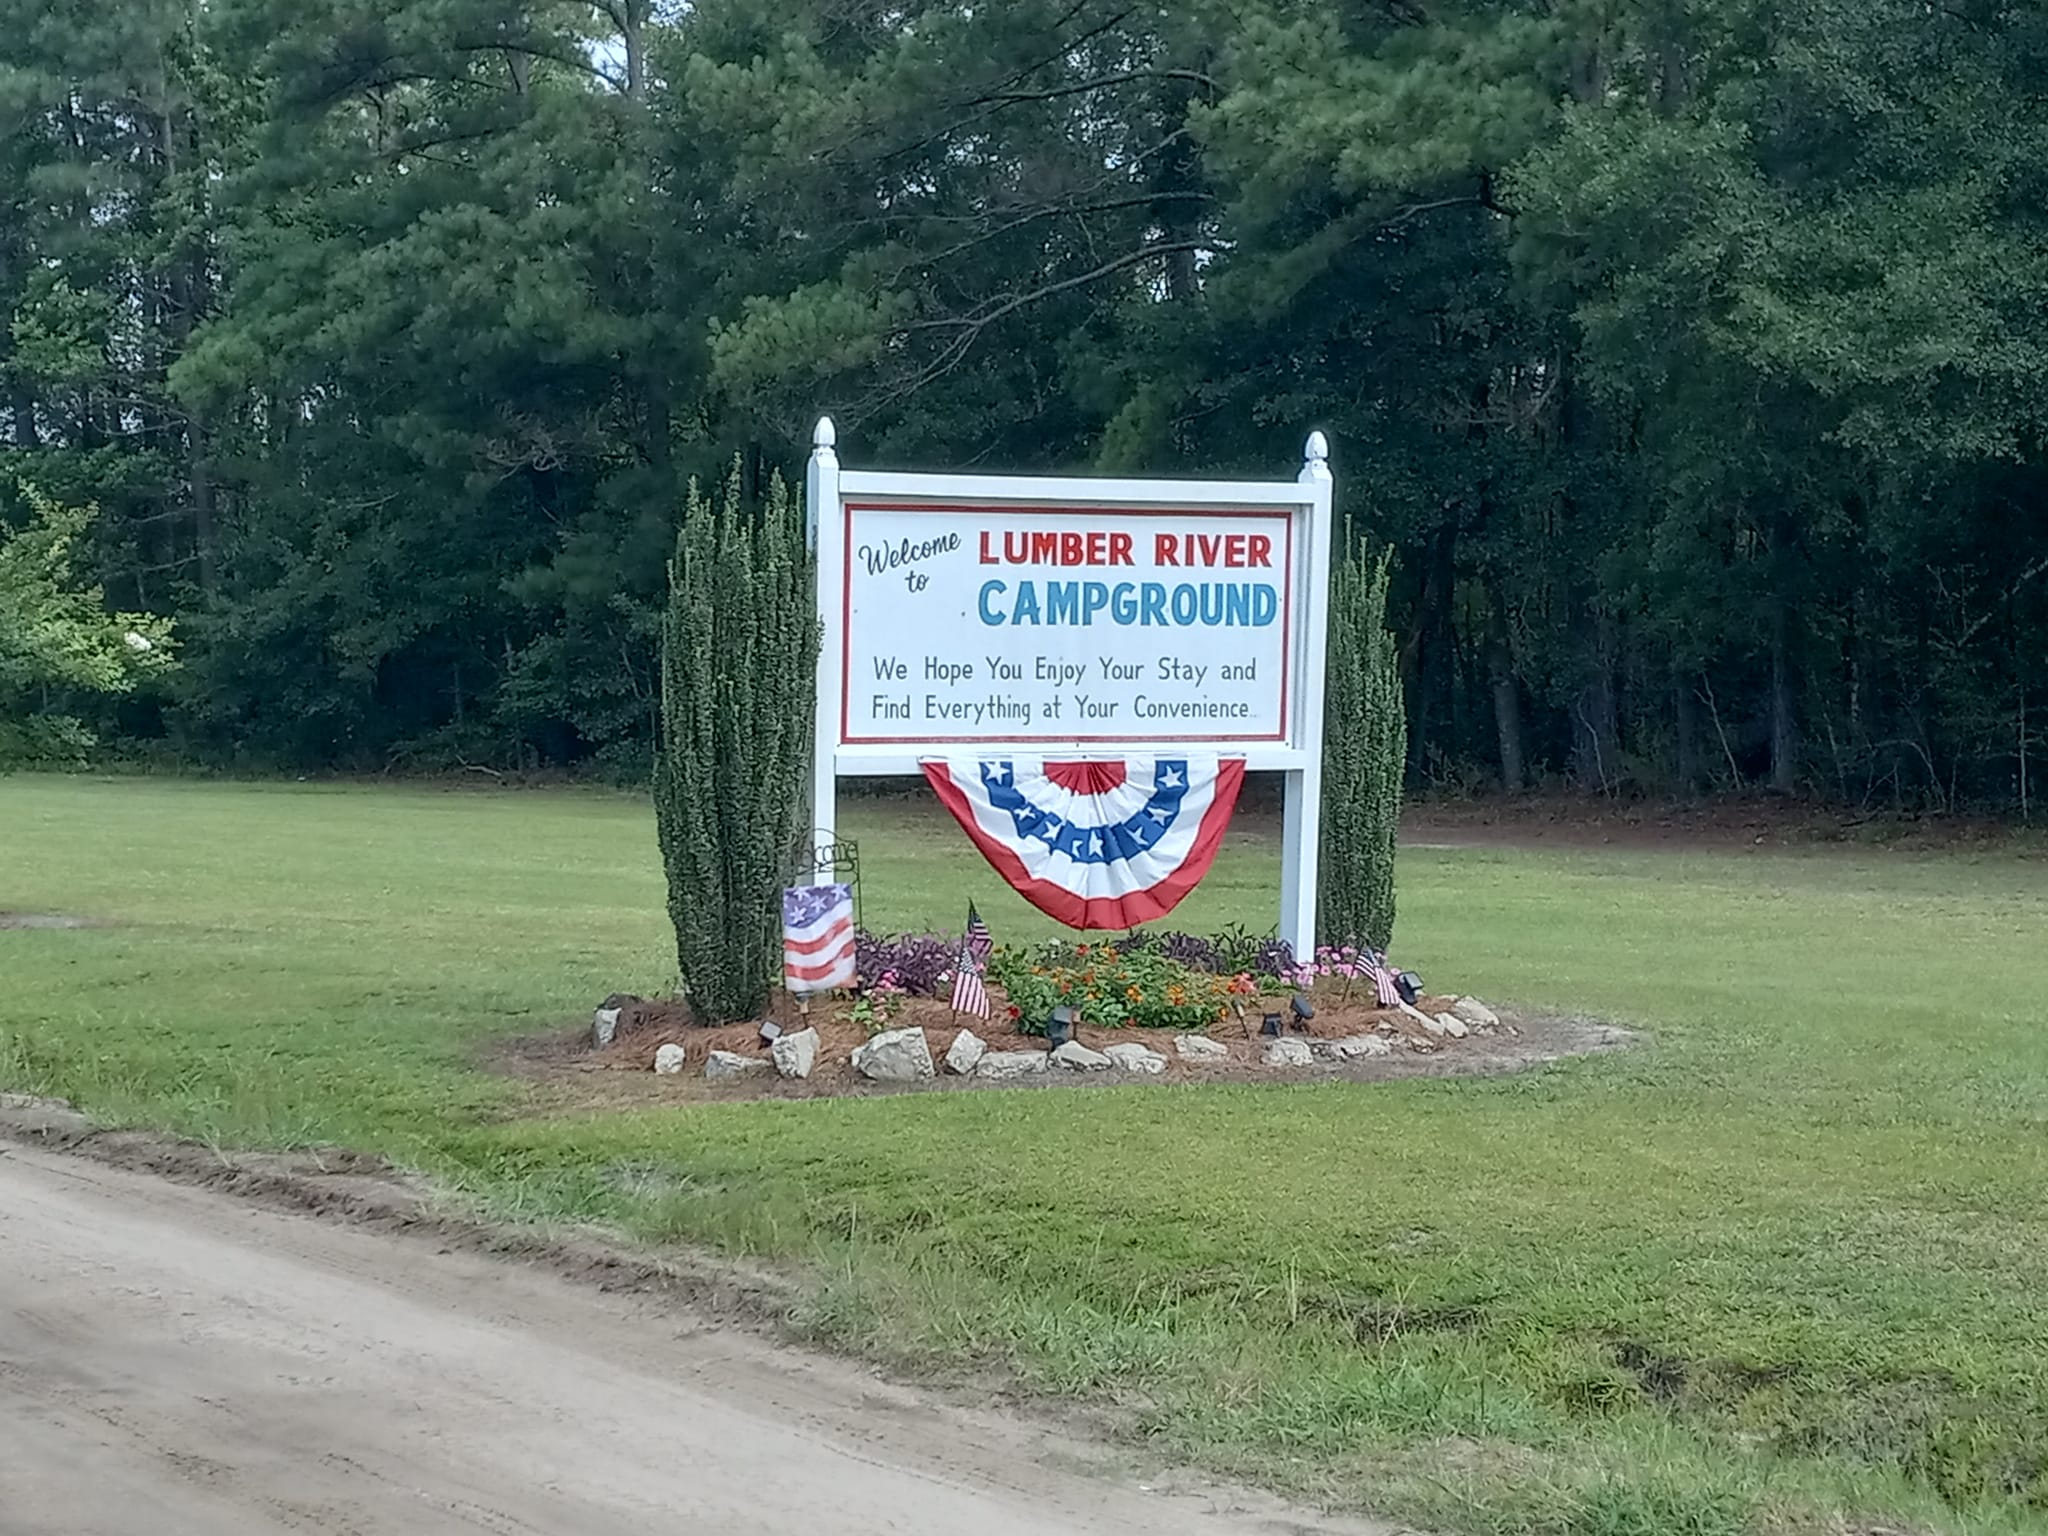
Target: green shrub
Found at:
58, 642
739, 657
1365, 747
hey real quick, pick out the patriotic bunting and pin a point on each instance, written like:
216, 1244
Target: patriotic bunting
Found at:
1105, 844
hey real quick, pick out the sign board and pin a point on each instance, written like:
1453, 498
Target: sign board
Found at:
1086, 616
1061, 625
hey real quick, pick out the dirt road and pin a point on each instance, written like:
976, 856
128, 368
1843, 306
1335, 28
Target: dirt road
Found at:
175, 1361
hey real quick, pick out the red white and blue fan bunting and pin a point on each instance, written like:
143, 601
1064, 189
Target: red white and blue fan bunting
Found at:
1101, 844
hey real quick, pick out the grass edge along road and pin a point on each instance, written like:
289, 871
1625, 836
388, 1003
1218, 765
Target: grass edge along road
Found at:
1776, 1270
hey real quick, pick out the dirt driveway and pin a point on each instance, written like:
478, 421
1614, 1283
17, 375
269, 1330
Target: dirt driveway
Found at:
174, 1361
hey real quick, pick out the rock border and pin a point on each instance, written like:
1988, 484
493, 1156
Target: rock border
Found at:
1456, 1037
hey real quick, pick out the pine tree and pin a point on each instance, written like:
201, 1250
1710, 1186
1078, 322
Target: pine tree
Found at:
739, 656
1365, 745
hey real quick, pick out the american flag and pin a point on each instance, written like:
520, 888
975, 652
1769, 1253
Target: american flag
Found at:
1383, 983
970, 993
817, 937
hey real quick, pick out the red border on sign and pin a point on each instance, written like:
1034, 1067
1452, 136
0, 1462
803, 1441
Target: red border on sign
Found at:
848, 508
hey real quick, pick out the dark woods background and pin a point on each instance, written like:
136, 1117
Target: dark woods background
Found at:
1691, 354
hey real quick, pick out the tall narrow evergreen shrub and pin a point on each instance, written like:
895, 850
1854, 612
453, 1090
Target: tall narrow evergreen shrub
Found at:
1365, 747
739, 657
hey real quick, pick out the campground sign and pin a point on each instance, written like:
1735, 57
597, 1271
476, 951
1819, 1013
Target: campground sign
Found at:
986, 620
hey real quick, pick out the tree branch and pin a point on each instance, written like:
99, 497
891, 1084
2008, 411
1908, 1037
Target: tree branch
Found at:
1014, 302
1101, 82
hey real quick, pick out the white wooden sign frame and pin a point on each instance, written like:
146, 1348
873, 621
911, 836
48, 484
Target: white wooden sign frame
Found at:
1299, 757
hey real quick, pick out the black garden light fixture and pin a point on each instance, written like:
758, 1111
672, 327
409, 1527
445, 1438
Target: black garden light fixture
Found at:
1409, 985
1270, 1024
770, 1031
1059, 1029
1303, 1011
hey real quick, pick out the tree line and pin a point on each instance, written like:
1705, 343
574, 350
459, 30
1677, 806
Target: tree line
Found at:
1691, 355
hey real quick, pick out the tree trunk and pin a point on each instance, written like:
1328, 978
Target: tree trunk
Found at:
1507, 698
1685, 696
201, 477
633, 25
1596, 736
1784, 718
21, 404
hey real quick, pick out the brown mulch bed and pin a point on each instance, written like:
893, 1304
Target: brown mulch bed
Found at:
647, 1025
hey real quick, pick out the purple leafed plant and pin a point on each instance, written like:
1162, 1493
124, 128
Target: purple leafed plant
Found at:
1190, 949
1218, 954
923, 962
1276, 958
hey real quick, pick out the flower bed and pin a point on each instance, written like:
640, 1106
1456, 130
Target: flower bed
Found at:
1107, 986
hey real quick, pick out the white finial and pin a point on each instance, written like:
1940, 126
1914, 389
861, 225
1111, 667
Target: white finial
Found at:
824, 438
1315, 457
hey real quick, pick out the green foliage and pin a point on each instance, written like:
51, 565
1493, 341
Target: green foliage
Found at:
1109, 986
1365, 746
1691, 354
58, 642
739, 656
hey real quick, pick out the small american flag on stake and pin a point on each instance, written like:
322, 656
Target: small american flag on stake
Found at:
970, 993
1383, 983
817, 938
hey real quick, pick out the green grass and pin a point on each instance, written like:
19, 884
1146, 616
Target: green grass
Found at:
1785, 1267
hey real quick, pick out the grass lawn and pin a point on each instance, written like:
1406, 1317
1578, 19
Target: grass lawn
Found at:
1783, 1268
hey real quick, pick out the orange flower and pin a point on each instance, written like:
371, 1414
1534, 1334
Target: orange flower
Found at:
1080, 949
1176, 994
1134, 994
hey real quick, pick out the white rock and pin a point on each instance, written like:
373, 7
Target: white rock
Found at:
1474, 1012
1002, 1064
604, 1027
1354, 1045
1422, 1018
1076, 1057
895, 1056
1454, 1026
965, 1053
724, 1064
668, 1061
1288, 1052
1136, 1058
1200, 1047
795, 1054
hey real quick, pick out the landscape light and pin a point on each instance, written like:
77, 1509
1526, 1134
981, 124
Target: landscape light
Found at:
1270, 1024
1303, 1011
1409, 985
1059, 1029
770, 1031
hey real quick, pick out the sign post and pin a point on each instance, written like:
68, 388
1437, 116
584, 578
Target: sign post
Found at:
1074, 617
